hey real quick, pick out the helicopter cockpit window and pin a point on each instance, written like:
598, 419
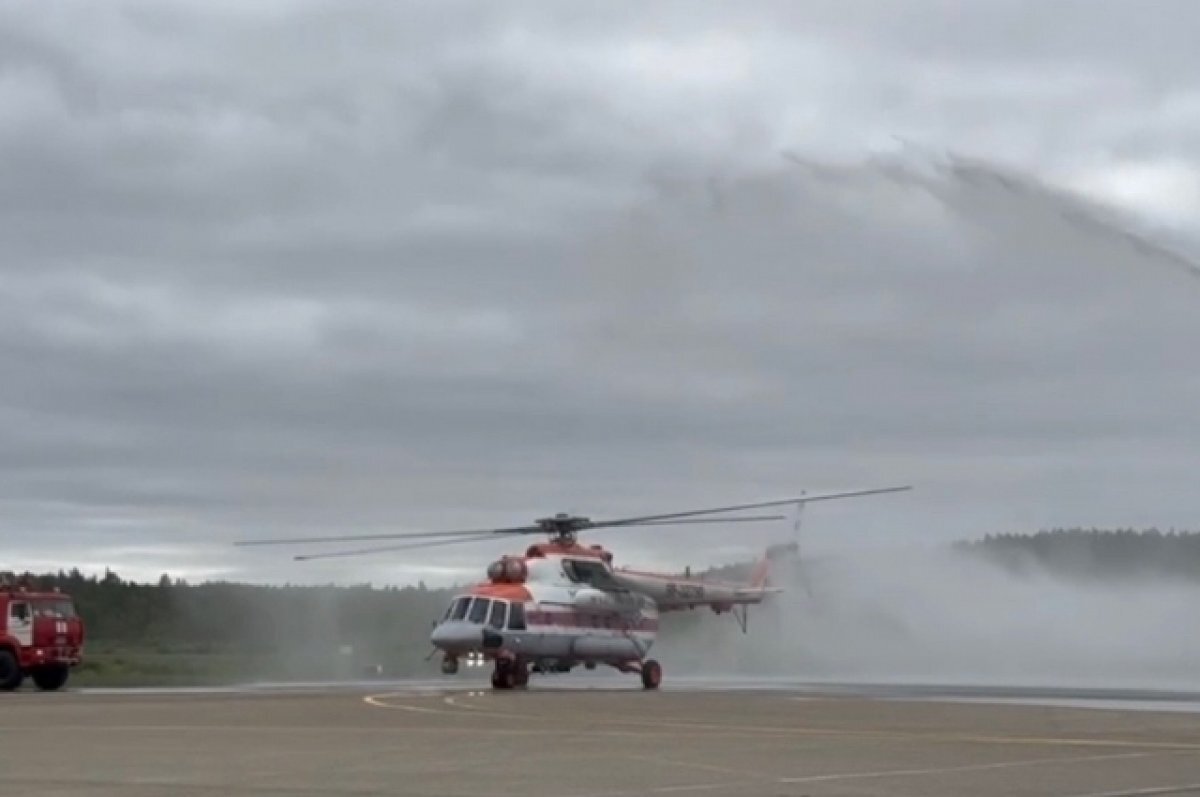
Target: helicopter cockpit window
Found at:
516, 617
496, 619
479, 610
587, 571
458, 609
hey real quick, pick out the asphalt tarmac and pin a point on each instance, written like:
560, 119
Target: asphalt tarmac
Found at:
597, 740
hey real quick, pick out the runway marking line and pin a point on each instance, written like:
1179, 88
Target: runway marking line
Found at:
381, 701
378, 701
898, 773
1182, 788
757, 777
1031, 762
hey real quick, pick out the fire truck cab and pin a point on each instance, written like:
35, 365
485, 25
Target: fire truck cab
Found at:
41, 637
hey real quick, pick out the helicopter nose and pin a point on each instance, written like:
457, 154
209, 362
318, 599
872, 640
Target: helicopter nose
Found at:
454, 635
458, 635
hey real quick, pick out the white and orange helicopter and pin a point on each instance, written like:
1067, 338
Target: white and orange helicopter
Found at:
562, 604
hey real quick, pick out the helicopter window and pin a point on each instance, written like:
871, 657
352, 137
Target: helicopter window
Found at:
496, 619
585, 571
479, 610
516, 617
458, 610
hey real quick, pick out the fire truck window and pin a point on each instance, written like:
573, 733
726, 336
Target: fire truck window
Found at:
20, 611
479, 610
516, 617
496, 620
460, 608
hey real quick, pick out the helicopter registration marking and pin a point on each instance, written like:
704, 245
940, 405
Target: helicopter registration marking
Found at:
684, 590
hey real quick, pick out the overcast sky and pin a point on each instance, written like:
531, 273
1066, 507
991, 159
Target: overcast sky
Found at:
279, 268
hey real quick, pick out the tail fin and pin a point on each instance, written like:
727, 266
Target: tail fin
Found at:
790, 551
761, 573
760, 577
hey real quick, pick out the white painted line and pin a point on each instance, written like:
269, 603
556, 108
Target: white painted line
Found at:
900, 773
1182, 788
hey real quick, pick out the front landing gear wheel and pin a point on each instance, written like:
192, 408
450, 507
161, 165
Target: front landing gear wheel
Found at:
651, 674
520, 674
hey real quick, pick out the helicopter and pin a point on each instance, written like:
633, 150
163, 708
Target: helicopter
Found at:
562, 603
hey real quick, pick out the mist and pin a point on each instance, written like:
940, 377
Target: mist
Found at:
940, 616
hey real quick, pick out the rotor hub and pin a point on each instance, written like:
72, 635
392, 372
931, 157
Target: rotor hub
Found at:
563, 527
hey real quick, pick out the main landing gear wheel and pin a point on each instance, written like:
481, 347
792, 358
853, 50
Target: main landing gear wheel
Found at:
651, 674
505, 675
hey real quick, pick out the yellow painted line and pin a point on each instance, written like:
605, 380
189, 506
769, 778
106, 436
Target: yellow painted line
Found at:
379, 701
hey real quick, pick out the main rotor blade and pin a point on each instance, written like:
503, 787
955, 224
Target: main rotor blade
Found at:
413, 535
852, 494
482, 536
697, 520
388, 548
633, 521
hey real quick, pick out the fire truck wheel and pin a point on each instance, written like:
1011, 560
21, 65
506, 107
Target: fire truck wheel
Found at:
10, 672
52, 677
651, 674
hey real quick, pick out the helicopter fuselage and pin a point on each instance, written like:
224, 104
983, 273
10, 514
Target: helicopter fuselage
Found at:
561, 606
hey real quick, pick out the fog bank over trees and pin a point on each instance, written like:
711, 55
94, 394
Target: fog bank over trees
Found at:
1021, 596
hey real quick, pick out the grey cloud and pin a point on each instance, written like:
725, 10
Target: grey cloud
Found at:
316, 267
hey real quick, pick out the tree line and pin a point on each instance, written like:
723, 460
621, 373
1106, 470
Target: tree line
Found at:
175, 631
1095, 554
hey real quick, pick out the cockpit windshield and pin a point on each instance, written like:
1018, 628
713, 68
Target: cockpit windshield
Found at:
479, 610
497, 617
458, 609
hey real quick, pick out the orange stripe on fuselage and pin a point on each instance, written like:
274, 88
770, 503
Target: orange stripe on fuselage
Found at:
515, 593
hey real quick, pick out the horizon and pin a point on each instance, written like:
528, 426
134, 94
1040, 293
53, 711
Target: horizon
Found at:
143, 579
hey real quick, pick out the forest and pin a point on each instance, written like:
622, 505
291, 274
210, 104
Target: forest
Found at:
1095, 554
172, 632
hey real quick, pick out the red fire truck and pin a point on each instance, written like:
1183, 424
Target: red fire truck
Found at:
40, 637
